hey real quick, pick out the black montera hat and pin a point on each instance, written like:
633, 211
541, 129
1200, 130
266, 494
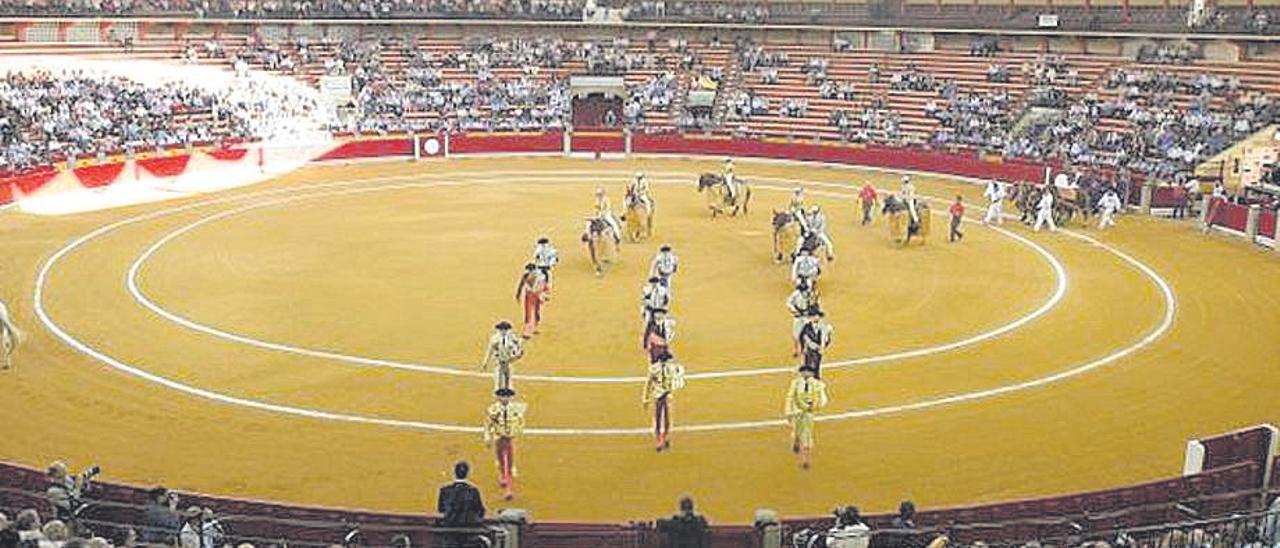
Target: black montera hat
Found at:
504, 392
544, 240
503, 325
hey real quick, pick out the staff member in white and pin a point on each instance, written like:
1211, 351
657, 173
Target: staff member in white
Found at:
806, 268
995, 195
9, 337
1044, 211
653, 297
817, 226
798, 304
545, 257
908, 194
1108, 205
664, 266
503, 351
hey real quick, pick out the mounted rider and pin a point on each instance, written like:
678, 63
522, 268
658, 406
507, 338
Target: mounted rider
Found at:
796, 206
638, 191
815, 224
730, 181
908, 195
604, 212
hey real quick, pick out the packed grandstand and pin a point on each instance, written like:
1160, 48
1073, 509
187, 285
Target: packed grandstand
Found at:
1146, 116
1158, 117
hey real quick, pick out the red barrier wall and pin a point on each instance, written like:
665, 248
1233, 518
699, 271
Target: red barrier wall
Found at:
1267, 223
1229, 215
1244, 445
598, 142
371, 148
936, 161
1167, 196
470, 143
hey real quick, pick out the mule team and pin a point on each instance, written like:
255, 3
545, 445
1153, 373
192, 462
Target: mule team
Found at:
799, 237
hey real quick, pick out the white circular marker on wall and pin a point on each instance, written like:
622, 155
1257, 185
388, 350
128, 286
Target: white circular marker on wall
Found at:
431, 146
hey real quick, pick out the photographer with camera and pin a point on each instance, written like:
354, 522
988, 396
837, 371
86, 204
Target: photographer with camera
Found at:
201, 529
66, 492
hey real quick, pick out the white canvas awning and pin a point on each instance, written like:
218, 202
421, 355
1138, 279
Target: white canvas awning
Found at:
581, 86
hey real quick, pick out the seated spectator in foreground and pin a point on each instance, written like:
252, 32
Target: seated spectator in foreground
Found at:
459, 502
56, 533
906, 518
849, 531
686, 529
8, 538
27, 524
160, 518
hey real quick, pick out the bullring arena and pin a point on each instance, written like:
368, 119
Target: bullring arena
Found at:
314, 338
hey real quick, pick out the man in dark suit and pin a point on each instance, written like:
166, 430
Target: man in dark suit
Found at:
459, 503
684, 530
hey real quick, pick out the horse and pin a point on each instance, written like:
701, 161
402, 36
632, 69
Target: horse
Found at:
1064, 207
811, 241
718, 199
1025, 197
600, 244
901, 228
639, 218
786, 232
1027, 200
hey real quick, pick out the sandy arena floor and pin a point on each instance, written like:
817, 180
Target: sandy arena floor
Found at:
316, 340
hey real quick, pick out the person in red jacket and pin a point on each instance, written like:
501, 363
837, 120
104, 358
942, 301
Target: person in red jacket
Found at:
868, 197
957, 214
533, 288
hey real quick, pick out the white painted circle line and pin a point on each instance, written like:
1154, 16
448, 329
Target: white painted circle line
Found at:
139, 296
1170, 305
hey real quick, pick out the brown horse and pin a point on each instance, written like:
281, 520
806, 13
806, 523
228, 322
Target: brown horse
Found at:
600, 244
639, 218
1026, 198
786, 231
718, 199
901, 226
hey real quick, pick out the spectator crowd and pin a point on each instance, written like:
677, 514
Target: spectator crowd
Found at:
1148, 120
49, 114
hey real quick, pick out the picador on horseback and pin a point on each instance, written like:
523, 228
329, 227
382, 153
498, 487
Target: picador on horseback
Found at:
726, 192
639, 206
